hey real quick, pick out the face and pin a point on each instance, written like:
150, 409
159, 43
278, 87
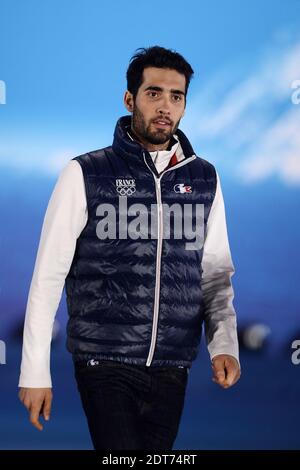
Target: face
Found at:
158, 107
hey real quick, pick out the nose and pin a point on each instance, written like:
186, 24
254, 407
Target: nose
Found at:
164, 106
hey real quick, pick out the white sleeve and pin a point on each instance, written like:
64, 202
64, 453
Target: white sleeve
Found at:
65, 218
220, 318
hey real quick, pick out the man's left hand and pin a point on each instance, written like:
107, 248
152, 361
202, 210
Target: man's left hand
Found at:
226, 370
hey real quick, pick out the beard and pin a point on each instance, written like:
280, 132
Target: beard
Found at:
142, 130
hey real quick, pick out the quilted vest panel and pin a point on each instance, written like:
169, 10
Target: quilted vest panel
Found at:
134, 286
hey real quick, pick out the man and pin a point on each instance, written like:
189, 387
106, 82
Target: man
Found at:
137, 294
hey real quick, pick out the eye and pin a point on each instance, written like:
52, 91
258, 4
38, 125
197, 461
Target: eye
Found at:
152, 94
177, 97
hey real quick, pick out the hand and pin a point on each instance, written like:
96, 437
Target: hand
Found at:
226, 370
37, 401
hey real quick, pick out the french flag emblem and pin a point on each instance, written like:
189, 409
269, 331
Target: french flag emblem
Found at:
182, 188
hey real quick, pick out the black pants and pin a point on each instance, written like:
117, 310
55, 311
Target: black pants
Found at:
131, 407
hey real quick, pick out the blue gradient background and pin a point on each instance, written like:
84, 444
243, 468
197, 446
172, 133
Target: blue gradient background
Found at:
64, 66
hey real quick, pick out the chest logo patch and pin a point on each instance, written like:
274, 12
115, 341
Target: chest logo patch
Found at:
125, 187
182, 188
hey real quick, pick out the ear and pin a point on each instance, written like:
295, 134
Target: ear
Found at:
128, 101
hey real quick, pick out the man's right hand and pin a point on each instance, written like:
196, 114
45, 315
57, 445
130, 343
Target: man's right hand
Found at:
38, 402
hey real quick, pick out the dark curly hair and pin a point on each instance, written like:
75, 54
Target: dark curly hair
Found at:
155, 56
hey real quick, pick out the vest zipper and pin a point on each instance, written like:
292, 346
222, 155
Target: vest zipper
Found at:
157, 180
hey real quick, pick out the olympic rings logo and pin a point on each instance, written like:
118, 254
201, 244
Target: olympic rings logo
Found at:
126, 191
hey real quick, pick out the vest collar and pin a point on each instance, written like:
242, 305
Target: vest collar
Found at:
125, 146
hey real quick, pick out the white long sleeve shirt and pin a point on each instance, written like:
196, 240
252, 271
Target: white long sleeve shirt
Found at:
64, 220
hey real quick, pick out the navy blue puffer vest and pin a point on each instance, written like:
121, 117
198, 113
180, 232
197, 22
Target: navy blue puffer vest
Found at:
135, 296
